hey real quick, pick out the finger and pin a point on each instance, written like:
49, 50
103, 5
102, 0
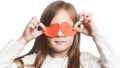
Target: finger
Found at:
81, 16
85, 31
77, 24
31, 26
35, 21
87, 20
89, 14
37, 33
41, 26
87, 17
78, 29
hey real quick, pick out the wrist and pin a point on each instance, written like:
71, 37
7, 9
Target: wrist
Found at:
23, 40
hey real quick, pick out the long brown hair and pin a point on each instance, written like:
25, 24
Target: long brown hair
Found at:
41, 45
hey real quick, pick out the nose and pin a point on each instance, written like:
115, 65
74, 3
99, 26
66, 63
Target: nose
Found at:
60, 34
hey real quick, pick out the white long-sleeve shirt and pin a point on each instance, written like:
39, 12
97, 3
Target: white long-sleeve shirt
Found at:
107, 58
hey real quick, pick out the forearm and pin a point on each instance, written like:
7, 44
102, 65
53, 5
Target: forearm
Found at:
107, 56
10, 52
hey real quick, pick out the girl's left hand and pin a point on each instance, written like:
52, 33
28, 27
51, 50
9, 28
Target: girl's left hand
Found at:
89, 28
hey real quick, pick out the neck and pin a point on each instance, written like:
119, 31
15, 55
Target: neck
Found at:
58, 54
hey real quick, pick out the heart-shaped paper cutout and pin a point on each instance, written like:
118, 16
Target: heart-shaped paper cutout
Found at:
67, 30
53, 30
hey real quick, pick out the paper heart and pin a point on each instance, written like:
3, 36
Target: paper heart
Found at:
67, 30
53, 30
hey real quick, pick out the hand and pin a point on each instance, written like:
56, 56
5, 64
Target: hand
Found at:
89, 28
31, 30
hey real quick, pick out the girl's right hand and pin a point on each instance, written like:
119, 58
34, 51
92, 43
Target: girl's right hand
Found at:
31, 31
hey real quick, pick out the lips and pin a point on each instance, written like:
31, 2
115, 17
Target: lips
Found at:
59, 42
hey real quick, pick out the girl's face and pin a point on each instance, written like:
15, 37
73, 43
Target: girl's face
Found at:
60, 43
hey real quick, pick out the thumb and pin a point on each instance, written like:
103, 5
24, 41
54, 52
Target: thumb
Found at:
38, 33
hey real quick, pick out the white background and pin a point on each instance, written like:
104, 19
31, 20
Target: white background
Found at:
15, 14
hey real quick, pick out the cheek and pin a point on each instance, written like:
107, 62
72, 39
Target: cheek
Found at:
50, 40
69, 40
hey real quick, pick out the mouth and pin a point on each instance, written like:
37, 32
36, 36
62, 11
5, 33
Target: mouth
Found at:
59, 42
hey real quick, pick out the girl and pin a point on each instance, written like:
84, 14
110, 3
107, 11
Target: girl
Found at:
60, 50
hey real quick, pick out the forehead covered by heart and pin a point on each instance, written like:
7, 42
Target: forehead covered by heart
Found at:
66, 29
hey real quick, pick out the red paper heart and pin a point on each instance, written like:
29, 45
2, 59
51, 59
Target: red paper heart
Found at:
67, 30
53, 30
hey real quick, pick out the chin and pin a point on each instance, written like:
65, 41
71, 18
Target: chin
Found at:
59, 50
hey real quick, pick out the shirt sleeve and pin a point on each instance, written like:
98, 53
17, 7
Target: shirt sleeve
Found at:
9, 53
108, 59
